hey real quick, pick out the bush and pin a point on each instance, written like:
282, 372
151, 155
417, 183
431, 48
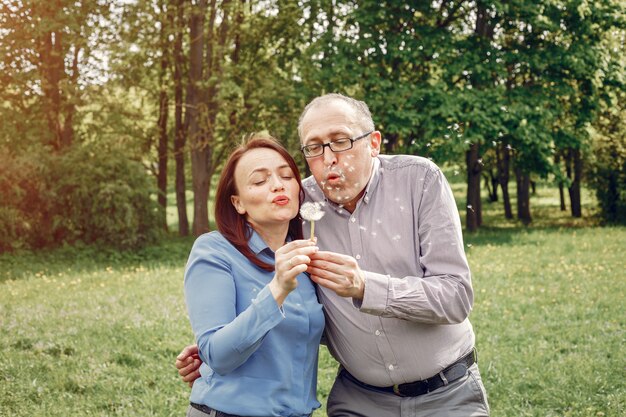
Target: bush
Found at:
78, 196
609, 178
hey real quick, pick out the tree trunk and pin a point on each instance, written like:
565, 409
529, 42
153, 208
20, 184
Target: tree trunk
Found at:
52, 69
503, 178
574, 188
473, 208
162, 125
557, 162
491, 183
523, 196
179, 129
197, 135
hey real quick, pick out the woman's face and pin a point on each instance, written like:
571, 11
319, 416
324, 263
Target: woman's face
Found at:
267, 190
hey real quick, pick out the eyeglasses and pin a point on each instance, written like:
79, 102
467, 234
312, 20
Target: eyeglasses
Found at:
337, 145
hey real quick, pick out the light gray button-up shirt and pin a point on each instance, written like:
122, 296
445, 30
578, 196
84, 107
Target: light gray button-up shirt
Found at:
406, 236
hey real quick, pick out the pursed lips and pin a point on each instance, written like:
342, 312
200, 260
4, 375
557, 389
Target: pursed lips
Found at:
281, 200
334, 177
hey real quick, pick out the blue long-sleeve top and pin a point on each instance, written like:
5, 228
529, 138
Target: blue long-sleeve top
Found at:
258, 359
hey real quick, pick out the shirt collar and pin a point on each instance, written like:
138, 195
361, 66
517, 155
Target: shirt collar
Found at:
256, 242
373, 182
258, 245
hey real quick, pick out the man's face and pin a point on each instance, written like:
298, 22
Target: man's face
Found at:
342, 176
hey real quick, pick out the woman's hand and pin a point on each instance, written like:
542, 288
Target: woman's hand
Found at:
188, 364
291, 260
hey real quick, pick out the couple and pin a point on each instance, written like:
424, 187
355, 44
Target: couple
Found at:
388, 267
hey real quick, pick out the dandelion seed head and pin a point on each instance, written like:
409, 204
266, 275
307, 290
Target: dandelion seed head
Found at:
311, 211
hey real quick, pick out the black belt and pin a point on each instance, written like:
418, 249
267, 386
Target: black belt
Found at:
412, 389
208, 410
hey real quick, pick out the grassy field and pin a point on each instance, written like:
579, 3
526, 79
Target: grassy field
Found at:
94, 333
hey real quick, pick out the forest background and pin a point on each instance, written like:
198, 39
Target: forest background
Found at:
115, 118
105, 104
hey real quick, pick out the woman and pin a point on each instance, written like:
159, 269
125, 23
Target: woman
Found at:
253, 311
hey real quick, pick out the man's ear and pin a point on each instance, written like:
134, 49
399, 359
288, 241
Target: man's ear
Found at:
234, 199
375, 141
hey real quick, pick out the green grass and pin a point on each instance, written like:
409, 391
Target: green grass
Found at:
94, 333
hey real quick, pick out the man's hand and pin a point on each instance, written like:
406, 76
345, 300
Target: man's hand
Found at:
340, 273
188, 364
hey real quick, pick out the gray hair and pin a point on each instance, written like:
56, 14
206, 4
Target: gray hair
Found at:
364, 117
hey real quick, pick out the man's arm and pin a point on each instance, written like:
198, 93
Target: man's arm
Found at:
188, 364
439, 293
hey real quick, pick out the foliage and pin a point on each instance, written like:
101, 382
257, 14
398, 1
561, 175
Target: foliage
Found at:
81, 195
608, 176
608, 149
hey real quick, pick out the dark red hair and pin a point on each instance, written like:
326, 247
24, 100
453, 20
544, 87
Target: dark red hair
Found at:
232, 225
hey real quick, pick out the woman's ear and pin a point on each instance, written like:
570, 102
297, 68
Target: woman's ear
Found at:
234, 199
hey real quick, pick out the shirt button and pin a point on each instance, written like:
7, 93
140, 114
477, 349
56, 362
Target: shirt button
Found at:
352, 219
358, 256
390, 367
377, 332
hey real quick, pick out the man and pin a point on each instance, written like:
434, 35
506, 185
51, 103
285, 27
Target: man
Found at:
391, 271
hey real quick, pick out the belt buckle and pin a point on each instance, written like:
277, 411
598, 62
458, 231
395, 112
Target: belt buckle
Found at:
396, 390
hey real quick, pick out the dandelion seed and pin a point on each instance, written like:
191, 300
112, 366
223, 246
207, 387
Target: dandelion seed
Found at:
428, 145
456, 172
456, 126
397, 199
396, 237
493, 142
373, 233
363, 228
446, 136
480, 161
401, 208
469, 206
469, 245
379, 221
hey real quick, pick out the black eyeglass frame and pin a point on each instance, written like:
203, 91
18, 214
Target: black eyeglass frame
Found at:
330, 145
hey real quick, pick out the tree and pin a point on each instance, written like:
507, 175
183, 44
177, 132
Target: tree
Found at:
47, 60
